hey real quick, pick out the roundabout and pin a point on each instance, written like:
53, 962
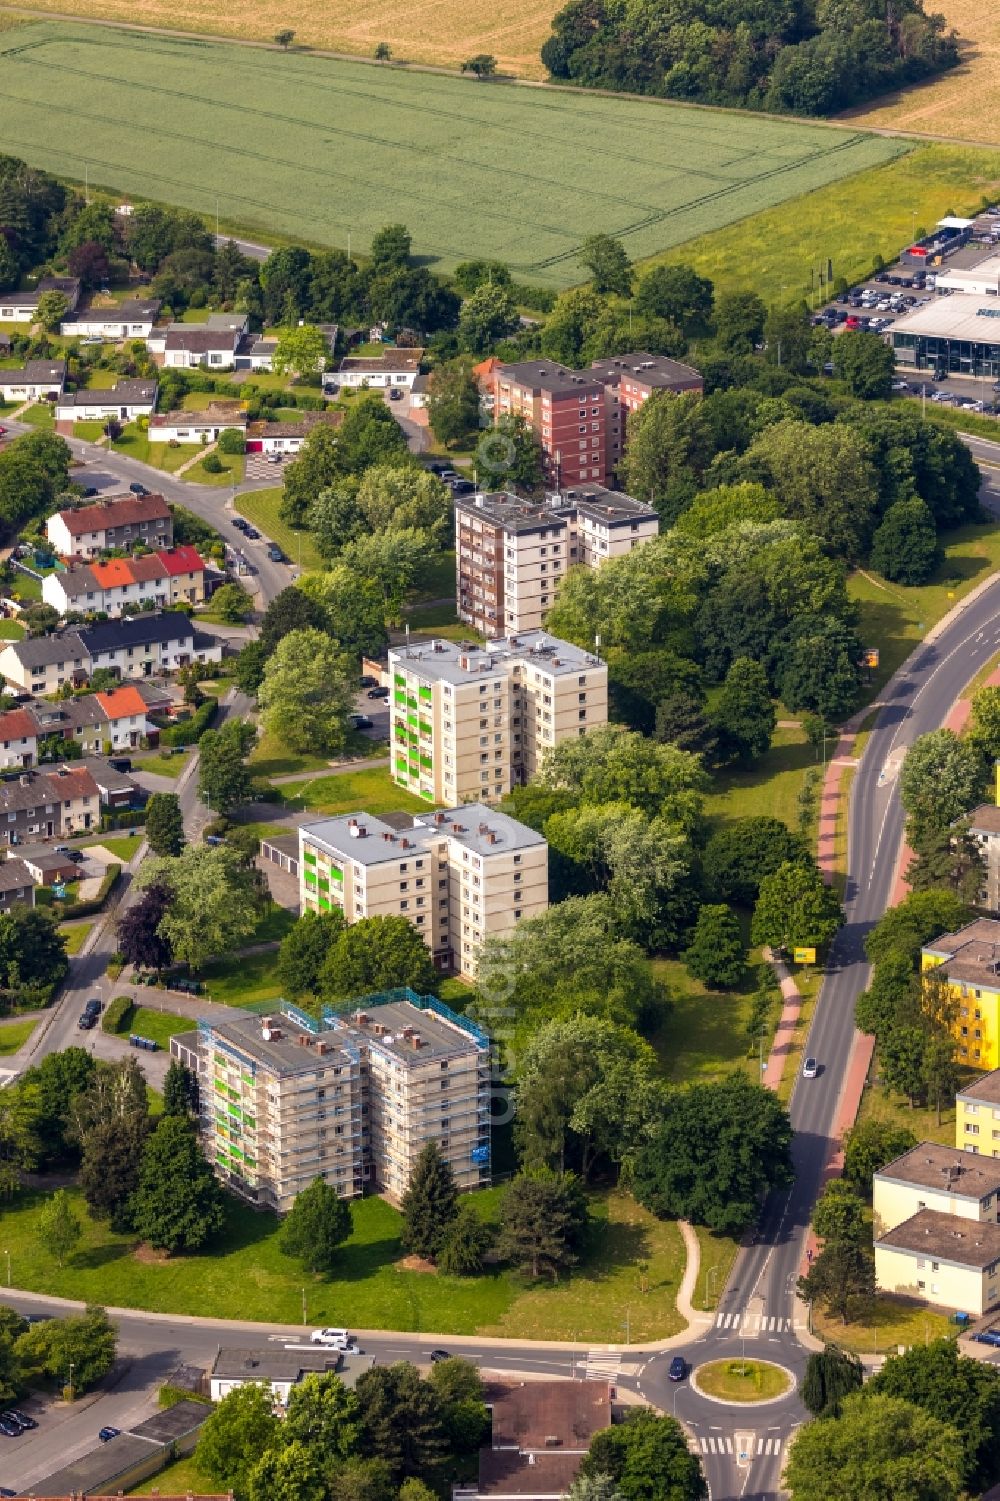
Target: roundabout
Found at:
748, 1383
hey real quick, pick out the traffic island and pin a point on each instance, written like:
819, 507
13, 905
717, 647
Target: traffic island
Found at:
743, 1381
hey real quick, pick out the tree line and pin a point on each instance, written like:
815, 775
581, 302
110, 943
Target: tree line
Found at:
789, 58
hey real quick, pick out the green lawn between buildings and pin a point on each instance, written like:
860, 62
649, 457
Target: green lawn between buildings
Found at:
14, 1035
158, 1026
246, 1276
75, 934
371, 791
261, 508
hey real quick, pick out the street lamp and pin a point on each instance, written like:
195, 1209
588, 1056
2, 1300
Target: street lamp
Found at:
626, 1326
71, 1364
303, 1305
7, 1254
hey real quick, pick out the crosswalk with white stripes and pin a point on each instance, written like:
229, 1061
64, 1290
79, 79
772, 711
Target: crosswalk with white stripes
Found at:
724, 1444
743, 1322
603, 1365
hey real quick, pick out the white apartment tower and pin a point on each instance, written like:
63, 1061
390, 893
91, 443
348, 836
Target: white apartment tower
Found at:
459, 877
467, 723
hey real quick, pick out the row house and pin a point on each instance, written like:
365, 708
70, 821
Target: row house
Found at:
138, 646
157, 580
48, 805
120, 521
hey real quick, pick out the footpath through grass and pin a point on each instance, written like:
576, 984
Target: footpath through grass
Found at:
247, 1276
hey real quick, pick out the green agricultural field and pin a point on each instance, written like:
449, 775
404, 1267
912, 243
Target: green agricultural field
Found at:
309, 146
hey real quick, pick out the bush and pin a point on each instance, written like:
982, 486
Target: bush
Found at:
91, 908
169, 1396
212, 464
190, 731
231, 440
119, 1015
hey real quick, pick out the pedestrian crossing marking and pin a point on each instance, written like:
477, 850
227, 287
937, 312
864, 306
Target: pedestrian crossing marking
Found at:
603, 1365
742, 1322
724, 1445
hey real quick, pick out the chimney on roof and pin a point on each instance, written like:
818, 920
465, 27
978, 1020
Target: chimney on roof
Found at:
268, 1030
416, 1042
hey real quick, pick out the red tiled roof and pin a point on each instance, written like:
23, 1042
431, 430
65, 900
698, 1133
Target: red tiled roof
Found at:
122, 702
123, 510
181, 559
147, 567
527, 1413
17, 724
114, 574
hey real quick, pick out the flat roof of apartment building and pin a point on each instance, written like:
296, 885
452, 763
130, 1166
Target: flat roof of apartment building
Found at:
287, 1050
984, 1090
461, 662
372, 841
656, 370
946, 1237
931, 1165
407, 1032
550, 376
508, 511
613, 507
972, 954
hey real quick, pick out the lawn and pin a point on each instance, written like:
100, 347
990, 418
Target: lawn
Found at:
168, 457
102, 380
770, 786
89, 432
123, 846
231, 472
370, 791
294, 142
160, 766
26, 586
780, 247
270, 759
890, 1321
75, 934
742, 1380
438, 582
240, 982
39, 415
880, 1103
246, 1276
13, 1036
895, 618
11, 630
134, 442
704, 1036
261, 507
718, 1252
182, 1478
158, 1026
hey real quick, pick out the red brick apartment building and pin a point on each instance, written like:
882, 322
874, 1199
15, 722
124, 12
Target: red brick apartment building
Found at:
566, 410
580, 416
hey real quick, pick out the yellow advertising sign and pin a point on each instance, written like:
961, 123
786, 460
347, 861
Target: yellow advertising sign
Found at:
805, 956
871, 656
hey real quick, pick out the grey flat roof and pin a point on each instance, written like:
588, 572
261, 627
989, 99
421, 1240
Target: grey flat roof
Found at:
613, 507
931, 1165
272, 1362
647, 369
473, 824
98, 1469
372, 844
438, 1038
283, 1055
508, 511
173, 1422
444, 659
549, 375
960, 316
946, 1237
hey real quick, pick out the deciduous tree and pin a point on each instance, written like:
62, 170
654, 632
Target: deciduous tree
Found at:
164, 824
306, 694
744, 713
831, 1375
941, 779
648, 1459
795, 908
239, 1430
301, 350
214, 902
717, 953
905, 545
59, 1229
318, 1224
304, 949
878, 1446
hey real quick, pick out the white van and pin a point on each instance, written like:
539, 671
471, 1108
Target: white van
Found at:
332, 1339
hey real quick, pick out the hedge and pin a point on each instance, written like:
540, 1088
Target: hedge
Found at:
119, 1015
123, 818
89, 909
190, 731
171, 1395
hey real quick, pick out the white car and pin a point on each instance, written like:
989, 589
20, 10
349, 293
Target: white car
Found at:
809, 1069
333, 1339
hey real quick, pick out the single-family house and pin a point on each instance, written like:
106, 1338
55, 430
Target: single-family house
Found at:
541, 1431
393, 367
125, 401
41, 664
197, 427
125, 711
116, 789
22, 307
141, 645
16, 884
288, 437
133, 319
18, 739
279, 1368
188, 346
48, 804
255, 352
38, 380
120, 521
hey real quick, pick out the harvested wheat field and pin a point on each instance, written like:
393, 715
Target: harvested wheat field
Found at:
443, 32
964, 103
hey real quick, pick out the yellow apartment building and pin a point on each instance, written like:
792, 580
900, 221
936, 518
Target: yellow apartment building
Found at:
977, 1116
932, 1176
970, 961
941, 1259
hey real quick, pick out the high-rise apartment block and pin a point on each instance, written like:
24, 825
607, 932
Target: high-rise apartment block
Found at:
510, 554
468, 722
580, 415
352, 1098
459, 877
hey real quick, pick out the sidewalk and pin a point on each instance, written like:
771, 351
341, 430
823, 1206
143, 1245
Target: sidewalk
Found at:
791, 1006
